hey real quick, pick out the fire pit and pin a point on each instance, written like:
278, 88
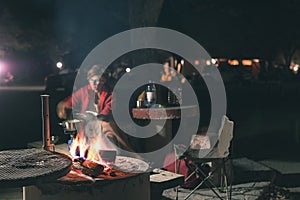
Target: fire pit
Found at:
90, 172
126, 178
96, 172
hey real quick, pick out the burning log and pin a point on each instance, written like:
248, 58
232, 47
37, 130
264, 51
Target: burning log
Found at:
92, 169
88, 167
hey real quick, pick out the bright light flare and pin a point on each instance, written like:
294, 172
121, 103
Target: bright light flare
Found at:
233, 62
247, 62
213, 61
1, 67
128, 69
59, 65
182, 62
208, 62
296, 68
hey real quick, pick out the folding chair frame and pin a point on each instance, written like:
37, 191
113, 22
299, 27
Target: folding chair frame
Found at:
207, 181
226, 130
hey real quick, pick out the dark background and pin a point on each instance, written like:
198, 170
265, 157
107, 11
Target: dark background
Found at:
36, 34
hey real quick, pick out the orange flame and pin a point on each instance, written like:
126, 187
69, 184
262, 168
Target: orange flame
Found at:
88, 149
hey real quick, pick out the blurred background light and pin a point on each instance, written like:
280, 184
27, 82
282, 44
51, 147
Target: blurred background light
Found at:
59, 65
128, 69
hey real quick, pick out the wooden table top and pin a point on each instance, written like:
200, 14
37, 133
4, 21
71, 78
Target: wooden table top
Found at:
165, 113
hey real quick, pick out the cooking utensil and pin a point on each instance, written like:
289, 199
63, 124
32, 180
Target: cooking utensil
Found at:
70, 125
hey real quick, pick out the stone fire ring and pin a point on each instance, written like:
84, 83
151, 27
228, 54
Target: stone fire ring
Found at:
24, 167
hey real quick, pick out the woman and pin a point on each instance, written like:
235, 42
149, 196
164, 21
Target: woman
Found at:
96, 97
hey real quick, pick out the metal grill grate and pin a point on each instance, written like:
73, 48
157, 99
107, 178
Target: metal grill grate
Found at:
29, 166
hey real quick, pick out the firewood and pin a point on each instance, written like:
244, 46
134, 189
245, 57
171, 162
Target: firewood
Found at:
91, 168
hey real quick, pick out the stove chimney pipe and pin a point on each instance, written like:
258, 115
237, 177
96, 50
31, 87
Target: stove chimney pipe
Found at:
46, 122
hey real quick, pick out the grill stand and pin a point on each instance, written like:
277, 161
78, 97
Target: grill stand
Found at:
133, 187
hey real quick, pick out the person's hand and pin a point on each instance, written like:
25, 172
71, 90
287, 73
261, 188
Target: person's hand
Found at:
61, 110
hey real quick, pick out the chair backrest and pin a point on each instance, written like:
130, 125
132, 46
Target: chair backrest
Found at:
221, 149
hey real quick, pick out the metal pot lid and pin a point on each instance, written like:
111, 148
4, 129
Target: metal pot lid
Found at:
73, 121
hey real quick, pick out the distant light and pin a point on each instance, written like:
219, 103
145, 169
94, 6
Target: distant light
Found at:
179, 67
233, 62
222, 60
127, 69
213, 61
196, 62
59, 65
208, 63
1, 67
296, 68
247, 62
182, 62
256, 60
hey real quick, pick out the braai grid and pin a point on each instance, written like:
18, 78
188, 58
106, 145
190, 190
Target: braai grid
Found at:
28, 166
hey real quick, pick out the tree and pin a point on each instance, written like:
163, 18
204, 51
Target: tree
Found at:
32, 49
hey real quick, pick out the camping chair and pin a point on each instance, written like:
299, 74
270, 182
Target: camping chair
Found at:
218, 154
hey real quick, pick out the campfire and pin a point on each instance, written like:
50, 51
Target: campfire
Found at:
96, 171
94, 157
